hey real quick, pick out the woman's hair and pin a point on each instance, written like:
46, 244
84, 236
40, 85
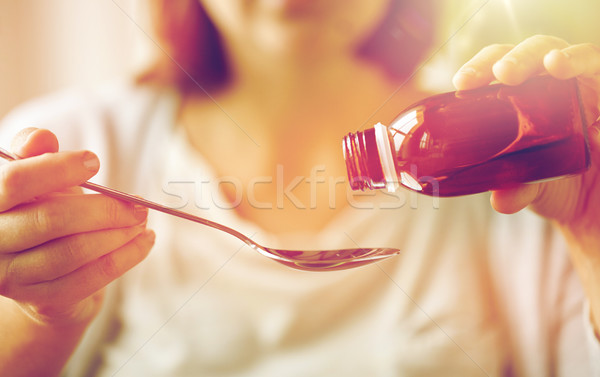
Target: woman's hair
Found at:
192, 55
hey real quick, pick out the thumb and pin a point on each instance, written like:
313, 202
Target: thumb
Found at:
33, 142
514, 199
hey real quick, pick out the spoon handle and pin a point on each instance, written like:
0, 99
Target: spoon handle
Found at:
120, 195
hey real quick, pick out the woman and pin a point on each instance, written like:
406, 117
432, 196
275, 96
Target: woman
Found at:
250, 138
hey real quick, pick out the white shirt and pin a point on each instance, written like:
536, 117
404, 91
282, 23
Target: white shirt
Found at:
473, 292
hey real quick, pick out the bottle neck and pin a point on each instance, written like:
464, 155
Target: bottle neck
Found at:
362, 161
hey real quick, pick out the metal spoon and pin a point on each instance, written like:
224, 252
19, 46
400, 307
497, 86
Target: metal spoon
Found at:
316, 260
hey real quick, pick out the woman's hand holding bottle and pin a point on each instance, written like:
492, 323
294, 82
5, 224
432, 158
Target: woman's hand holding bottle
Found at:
572, 203
59, 248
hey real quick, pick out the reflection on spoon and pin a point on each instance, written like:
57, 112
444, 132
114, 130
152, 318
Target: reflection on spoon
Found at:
317, 260
328, 260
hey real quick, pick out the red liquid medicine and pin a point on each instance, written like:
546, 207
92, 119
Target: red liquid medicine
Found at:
467, 142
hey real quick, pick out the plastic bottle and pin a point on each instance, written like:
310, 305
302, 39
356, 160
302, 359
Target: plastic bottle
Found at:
467, 142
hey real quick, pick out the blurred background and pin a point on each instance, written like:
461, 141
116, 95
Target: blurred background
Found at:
46, 45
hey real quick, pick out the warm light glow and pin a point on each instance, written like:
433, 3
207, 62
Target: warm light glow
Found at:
511, 15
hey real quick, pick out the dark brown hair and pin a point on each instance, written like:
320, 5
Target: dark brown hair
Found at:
192, 54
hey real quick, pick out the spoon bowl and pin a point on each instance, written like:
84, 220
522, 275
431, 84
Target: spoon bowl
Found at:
328, 260
313, 260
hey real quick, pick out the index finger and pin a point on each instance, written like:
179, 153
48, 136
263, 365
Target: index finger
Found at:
26, 179
526, 59
478, 70
33, 141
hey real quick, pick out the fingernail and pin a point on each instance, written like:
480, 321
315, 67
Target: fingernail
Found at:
141, 226
18, 145
140, 212
20, 149
508, 62
470, 71
91, 162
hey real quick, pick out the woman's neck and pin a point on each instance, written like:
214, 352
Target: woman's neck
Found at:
276, 124
342, 92
299, 99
